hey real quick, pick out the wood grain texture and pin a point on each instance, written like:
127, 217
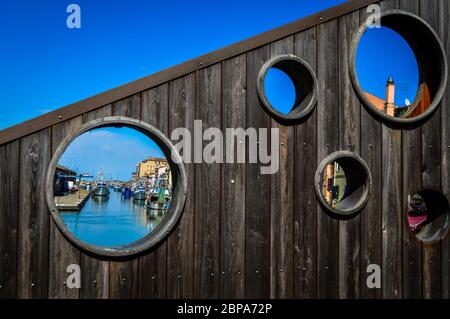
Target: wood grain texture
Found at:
411, 177
281, 202
9, 204
430, 11
445, 157
95, 271
349, 133
257, 199
371, 215
34, 218
152, 266
328, 142
124, 274
208, 188
305, 203
180, 245
232, 252
62, 252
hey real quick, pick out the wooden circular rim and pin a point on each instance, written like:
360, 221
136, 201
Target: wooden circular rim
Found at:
367, 185
299, 67
171, 217
434, 38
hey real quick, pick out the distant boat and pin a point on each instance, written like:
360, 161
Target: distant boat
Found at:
117, 188
139, 193
126, 193
101, 190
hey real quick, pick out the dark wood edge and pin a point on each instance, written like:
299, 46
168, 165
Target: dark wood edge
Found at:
121, 92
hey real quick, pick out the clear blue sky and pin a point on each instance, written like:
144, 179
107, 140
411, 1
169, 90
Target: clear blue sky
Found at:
112, 151
383, 53
44, 65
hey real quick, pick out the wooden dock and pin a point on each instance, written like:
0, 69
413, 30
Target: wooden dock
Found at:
72, 202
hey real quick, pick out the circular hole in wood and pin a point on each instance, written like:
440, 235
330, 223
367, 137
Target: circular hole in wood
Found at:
343, 183
399, 69
287, 88
428, 215
116, 187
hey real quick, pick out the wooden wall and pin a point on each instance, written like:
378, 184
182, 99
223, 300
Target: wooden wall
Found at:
242, 234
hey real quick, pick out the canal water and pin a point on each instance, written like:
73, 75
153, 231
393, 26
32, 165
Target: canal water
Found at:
110, 222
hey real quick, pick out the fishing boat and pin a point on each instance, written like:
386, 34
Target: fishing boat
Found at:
100, 189
139, 193
117, 188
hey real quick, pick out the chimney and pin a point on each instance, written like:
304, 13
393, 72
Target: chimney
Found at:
390, 97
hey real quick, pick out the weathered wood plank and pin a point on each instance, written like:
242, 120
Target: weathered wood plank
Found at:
62, 252
411, 176
431, 166
152, 265
445, 161
129, 107
328, 142
305, 202
95, 271
349, 133
392, 210
124, 279
412, 248
281, 203
180, 245
124, 275
208, 188
9, 204
33, 226
232, 252
257, 199
97, 114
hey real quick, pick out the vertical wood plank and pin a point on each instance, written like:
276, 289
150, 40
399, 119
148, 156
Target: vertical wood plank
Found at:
305, 202
349, 132
431, 166
9, 192
95, 271
257, 200
391, 202
33, 225
445, 148
180, 245
62, 252
282, 191
232, 252
124, 274
152, 265
328, 142
411, 176
208, 189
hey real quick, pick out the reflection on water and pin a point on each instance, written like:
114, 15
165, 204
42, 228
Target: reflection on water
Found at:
112, 222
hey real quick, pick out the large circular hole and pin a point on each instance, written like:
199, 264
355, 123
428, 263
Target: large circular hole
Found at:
113, 187
399, 69
428, 215
343, 183
287, 88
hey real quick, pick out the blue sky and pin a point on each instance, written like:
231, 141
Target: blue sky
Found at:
382, 53
113, 151
44, 65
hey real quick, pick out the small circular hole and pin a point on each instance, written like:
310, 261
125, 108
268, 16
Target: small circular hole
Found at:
287, 88
343, 183
428, 215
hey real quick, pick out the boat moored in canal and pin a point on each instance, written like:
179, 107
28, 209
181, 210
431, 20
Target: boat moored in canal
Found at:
139, 193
